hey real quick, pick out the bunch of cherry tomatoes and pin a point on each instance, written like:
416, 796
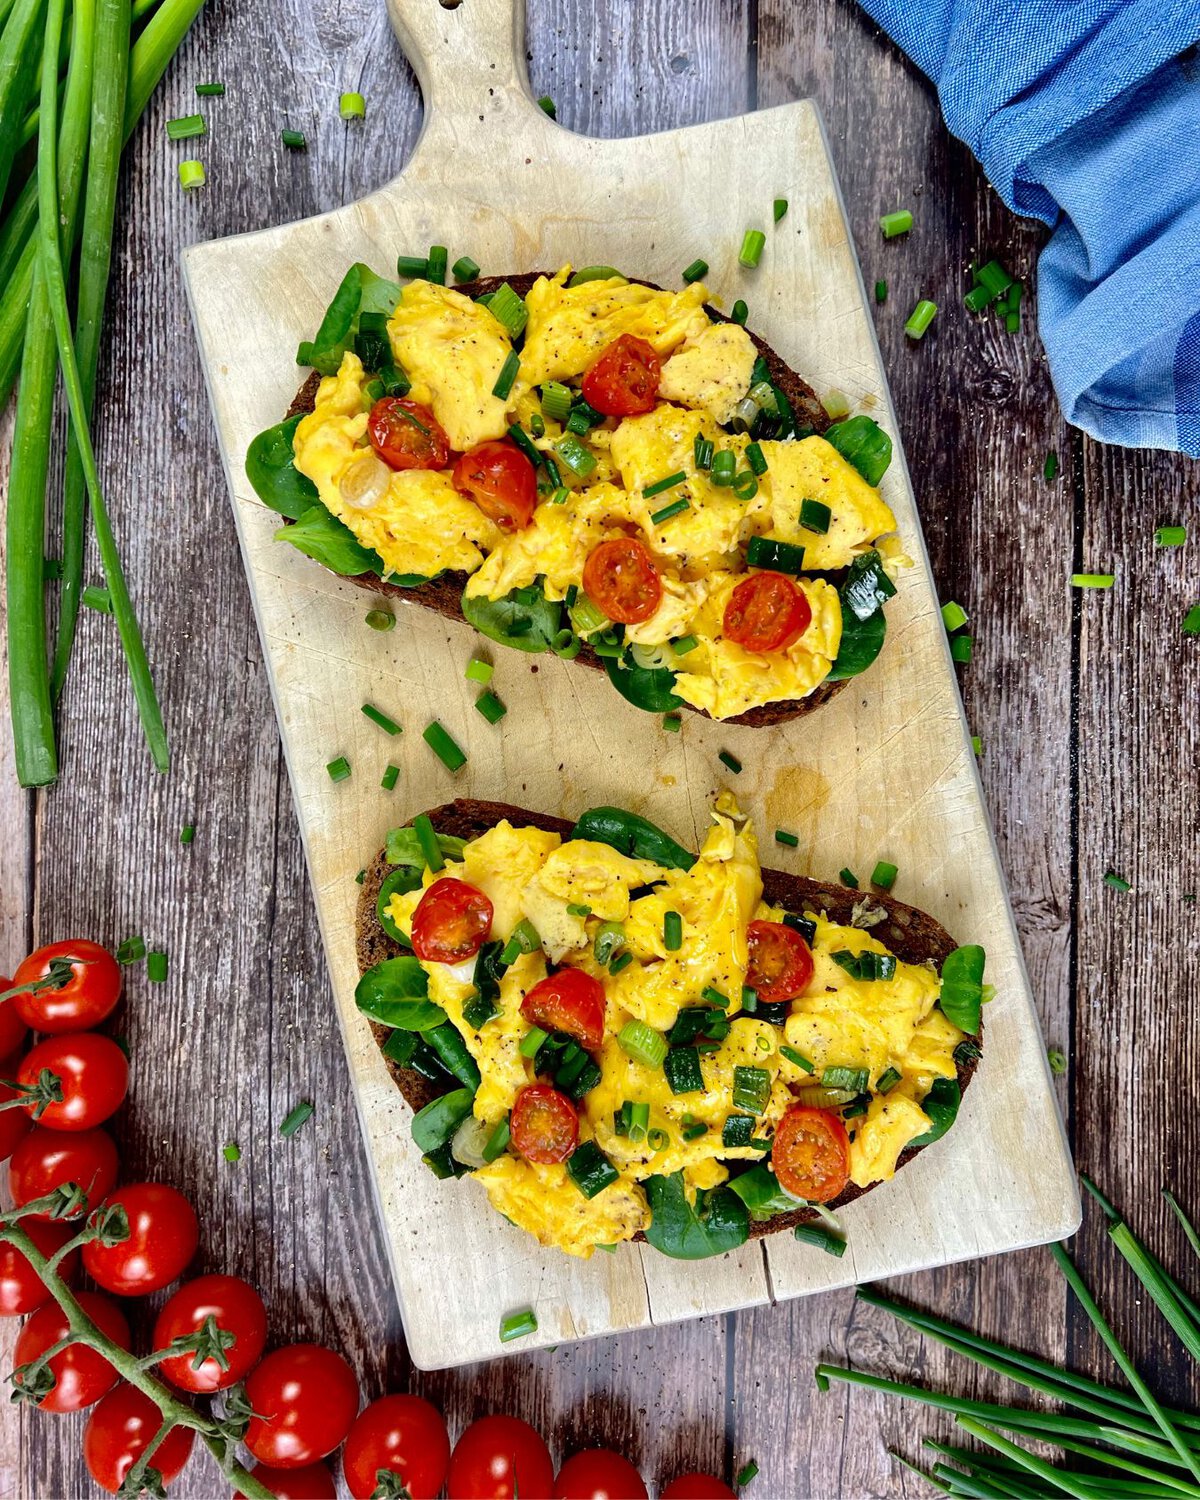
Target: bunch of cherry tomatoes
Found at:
302, 1399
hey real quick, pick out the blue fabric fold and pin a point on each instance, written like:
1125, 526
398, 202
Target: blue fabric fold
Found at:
1086, 114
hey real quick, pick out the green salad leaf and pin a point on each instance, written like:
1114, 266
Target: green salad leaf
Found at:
361, 291
941, 1105
528, 623
433, 1127
271, 469
648, 688
759, 1190
632, 835
395, 993
961, 998
862, 442
397, 883
403, 847
320, 535
718, 1222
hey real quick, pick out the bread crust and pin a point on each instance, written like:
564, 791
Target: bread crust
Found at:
444, 593
912, 935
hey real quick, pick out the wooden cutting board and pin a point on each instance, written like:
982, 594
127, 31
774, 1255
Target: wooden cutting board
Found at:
885, 772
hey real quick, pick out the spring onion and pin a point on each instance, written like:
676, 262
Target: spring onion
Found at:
815, 515
822, 1237
491, 707
213, 90
682, 1068
438, 260
431, 848
231, 1151
888, 1080
339, 769
730, 761
525, 938
381, 619
390, 777
295, 1118
517, 1325
294, 140
788, 840
465, 269
780, 208
187, 834
739, 312
156, 966
723, 466
131, 950
412, 267
954, 616
192, 174
1117, 882
745, 485
780, 557
1191, 621
99, 599
590, 1170
507, 375
693, 1129
556, 401
377, 716
444, 746
848, 877
351, 106
576, 457
186, 127
622, 961
715, 997
798, 1058
920, 318
751, 1089
745, 1474
479, 671
672, 931
867, 965
976, 745
737, 1132
961, 647
1170, 536
695, 272
531, 1043
753, 243
854, 1079
1093, 580
881, 291
756, 459
609, 940
884, 875
508, 308
893, 224
1050, 467
643, 1044
547, 106
702, 453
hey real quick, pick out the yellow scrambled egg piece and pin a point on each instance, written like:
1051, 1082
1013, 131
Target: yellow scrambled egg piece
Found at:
813, 469
712, 370
545, 1202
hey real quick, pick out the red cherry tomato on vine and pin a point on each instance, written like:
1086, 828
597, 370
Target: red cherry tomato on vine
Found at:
811, 1155
120, 1430
312, 1482
306, 1397
499, 1458
451, 922
781, 963
501, 481
14, 1123
21, 1288
544, 1124
697, 1487
238, 1309
406, 435
163, 1233
766, 612
47, 1159
623, 380
569, 1001
404, 1434
93, 1075
12, 1027
620, 579
81, 1374
88, 997
598, 1474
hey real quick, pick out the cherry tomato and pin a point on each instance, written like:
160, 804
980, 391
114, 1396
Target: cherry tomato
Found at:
312, 1482
620, 579
404, 1434
238, 1309
623, 380
12, 1027
21, 1288
163, 1233
499, 1458
781, 964
598, 1474
406, 435
120, 1430
569, 1001
766, 612
87, 998
544, 1124
697, 1487
14, 1123
81, 1374
47, 1159
501, 481
306, 1397
811, 1154
451, 922
93, 1074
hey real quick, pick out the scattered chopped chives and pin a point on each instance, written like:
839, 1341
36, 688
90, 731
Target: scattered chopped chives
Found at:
465, 269
881, 291
884, 875
836, 404
360, 877
97, 598
1057, 1059
411, 266
622, 961
780, 208
920, 318
187, 833
739, 312
381, 619
1093, 580
131, 950
848, 877
439, 259
821, 1236
954, 616
815, 515
1170, 536
731, 761
723, 466
431, 849
976, 744
888, 1080
339, 769
377, 716
231, 1151
576, 457
798, 1058
1191, 621
547, 106
899, 222
156, 966
186, 127
672, 931
492, 709
295, 1118
753, 243
560, 495
390, 777
518, 1325
684, 644
961, 647
579, 909
672, 723
788, 840
479, 671
444, 747
1050, 467
352, 106
668, 482
293, 140
746, 1474
676, 507
191, 174
530, 1044
696, 271
1118, 882
210, 90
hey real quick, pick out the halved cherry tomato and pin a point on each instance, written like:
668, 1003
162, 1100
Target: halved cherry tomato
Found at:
93, 1075
88, 997
21, 1288
623, 380
451, 922
47, 1159
14, 1123
305, 1398
81, 1374
120, 1430
620, 578
811, 1154
406, 435
500, 1458
12, 1027
312, 1482
544, 1124
598, 1474
569, 1001
781, 964
403, 1435
237, 1308
766, 612
163, 1234
697, 1487
501, 481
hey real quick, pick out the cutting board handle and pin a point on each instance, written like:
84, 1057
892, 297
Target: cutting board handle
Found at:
469, 58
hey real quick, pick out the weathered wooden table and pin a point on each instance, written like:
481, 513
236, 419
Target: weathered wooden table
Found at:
1086, 706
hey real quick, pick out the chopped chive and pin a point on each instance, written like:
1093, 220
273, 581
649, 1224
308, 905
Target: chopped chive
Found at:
729, 760
622, 961
1170, 536
798, 1058
339, 769
191, 174
715, 997
961, 647
479, 671
672, 931
899, 222
881, 291
381, 619
210, 90
676, 507
560, 496
1050, 467
780, 208
1093, 580
187, 833
672, 723
531, 1043
1057, 1059
492, 709
186, 127
156, 966
822, 1237
465, 269
780, 557
352, 106
884, 875
954, 616
753, 242
377, 716
739, 312
439, 258
1191, 621
789, 840
360, 877
293, 1120
579, 908
848, 877
920, 318
508, 374
745, 1474
976, 745
390, 777
1118, 882
517, 1325
97, 598
659, 485
231, 1151
696, 271
428, 840
547, 106
694, 1131
749, 1000
131, 950
443, 745
293, 140
412, 266
723, 467
888, 1080
756, 459
815, 515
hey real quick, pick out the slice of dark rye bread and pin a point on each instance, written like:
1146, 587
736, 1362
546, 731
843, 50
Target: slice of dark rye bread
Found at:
444, 593
911, 935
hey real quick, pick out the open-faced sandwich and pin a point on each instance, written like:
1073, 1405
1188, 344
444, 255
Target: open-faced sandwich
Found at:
595, 467
619, 1040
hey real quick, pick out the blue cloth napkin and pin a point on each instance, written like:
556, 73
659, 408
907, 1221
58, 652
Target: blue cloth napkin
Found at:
1086, 114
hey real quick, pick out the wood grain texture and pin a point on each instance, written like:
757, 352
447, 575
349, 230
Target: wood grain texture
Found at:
236, 1036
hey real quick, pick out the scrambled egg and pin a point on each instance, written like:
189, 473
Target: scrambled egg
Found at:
567, 889
454, 350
